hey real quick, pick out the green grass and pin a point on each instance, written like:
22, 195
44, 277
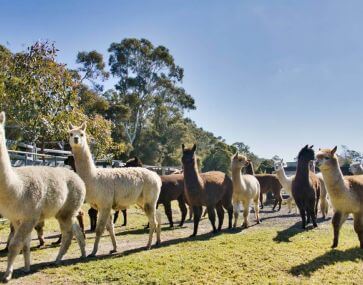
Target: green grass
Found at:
259, 255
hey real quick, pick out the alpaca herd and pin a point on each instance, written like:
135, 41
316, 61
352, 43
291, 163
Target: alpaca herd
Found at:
30, 195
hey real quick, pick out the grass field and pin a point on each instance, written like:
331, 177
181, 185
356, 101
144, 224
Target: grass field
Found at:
274, 252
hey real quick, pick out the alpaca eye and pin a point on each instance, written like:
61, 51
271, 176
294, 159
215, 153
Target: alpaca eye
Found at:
81, 135
71, 135
327, 157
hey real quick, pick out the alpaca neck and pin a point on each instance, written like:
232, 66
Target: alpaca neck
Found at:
334, 180
281, 175
249, 169
192, 178
302, 171
85, 165
237, 177
8, 177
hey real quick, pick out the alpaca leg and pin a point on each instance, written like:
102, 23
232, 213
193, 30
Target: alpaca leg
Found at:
220, 214
168, 213
40, 233
212, 217
261, 200
183, 209
280, 200
190, 213
100, 227
257, 211
312, 214
111, 230
26, 253
358, 227
67, 234
236, 207
303, 217
197, 212
115, 217
79, 234
124, 213
205, 213
246, 211
337, 221
10, 236
229, 208
150, 213
289, 204
93, 218
275, 202
80, 221
21, 235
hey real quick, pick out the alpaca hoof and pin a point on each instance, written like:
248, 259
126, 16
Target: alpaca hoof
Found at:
6, 278
258, 221
26, 270
58, 262
334, 245
192, 235
244, 226
157, 243
113, 251
123, 225
92, 255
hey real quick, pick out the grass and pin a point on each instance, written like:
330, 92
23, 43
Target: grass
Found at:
271, 254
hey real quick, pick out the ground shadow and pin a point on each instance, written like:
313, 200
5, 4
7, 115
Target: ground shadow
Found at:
18, 273
286, 234
329, 258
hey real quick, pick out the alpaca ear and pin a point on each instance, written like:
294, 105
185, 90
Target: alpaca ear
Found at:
333, 151
306, 147
183, 147
2, 117
282, 160
311, 146
83, 126
236, 155
70, 126
194, 147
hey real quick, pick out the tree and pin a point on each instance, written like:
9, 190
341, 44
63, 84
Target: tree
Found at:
38, 93
219, 159
347, 155
148, 77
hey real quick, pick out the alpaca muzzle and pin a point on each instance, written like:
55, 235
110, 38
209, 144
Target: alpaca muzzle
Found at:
76, 140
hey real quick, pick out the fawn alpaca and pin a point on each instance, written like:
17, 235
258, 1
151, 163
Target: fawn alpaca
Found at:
212, 189
268, 182
345, 192
246, 188
29, 195
115, 188
306, 187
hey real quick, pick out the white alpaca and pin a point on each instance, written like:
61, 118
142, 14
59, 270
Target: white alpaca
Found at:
245, 189
356, 168
115, 188
29, 195
285, 181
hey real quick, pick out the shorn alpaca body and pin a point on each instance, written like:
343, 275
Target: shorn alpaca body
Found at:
268, 183
212, 189
345, 192
246, 189
29, 195
306, 187
285, 181
115, 188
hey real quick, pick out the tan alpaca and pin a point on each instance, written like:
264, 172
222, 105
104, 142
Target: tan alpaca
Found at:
29, 195
346, 193
115, 188
246, 188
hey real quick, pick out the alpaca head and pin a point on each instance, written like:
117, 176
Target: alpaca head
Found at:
279, 165
306, 154
239, 161
77, 136
189, 155
326, 158
133, 162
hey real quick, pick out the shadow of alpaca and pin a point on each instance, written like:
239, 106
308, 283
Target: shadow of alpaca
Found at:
18, 273
286, 234
329, 258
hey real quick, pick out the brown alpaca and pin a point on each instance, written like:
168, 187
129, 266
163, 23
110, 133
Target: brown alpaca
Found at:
306, 187
345, 192
212, 189
268, 182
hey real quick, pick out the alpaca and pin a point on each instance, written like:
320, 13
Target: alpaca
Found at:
356, 168
306, 187
246, 188
268, 182
31, 194
324, 204
132, 162
285, 181
115, 188
213, 189
345, 192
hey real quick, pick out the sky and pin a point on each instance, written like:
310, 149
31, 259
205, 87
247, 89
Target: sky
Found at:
276, 75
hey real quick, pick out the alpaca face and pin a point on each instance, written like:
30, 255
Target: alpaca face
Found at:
239, 161
77, 136
306, 153
188, 155
326, 158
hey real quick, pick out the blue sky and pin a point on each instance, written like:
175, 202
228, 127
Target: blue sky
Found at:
274, 74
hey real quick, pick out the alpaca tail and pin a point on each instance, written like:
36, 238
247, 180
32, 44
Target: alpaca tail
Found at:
77, 232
